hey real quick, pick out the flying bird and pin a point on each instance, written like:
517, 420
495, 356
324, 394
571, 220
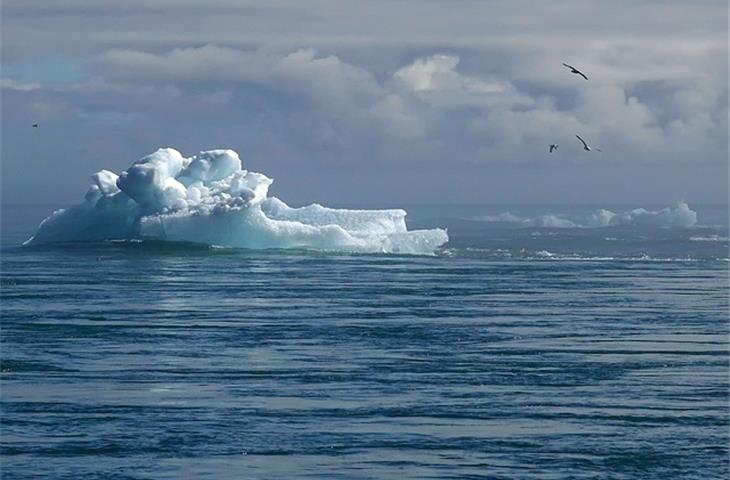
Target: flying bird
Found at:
35, 125
585, 145
553, 147
575, 70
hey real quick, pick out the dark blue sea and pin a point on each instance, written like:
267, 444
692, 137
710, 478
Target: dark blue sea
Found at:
519, 351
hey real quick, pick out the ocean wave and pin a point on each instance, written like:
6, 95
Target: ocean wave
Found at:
209, 199
546, 255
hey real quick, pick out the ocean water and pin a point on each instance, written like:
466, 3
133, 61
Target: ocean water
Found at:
514, 352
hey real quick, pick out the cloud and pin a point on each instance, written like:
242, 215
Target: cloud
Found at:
435, 80
329, 106
438, 73
323, 106
324, 79
321, 87
10, 84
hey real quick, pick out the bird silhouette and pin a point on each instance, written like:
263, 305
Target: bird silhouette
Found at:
553, 147
35, 125
585, 145
575, 70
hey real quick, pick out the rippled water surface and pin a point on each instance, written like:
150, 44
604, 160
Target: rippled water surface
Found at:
513, 353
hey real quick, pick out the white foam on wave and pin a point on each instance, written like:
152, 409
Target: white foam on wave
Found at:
546, 255
709, 238
210, 199
679, 216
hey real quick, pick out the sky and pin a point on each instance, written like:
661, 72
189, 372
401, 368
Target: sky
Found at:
379, 102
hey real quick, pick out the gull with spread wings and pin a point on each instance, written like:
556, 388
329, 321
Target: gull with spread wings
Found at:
575, 70
585, 145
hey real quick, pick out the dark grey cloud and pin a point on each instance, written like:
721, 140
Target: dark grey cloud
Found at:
347, 102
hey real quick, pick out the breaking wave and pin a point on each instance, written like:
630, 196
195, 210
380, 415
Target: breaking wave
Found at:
210, 199
679, 216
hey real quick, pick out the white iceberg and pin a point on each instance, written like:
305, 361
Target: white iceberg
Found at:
681, 216
210, 199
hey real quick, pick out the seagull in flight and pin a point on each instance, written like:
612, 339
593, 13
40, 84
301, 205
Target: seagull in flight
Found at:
575, 70
585, 145
553, 147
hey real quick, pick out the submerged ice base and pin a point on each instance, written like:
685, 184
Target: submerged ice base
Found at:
210, 199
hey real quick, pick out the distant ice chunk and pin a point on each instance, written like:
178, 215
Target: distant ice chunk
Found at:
550, 221
210, 199
679, 216
600, 218
504, 217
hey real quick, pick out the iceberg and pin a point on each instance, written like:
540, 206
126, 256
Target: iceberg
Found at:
209, 198
681, 216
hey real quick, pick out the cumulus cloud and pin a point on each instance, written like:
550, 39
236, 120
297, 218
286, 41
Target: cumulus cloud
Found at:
438, 73
435, 79
325, 78
336, 102
354, 113
339, 102
443, 87
10, 84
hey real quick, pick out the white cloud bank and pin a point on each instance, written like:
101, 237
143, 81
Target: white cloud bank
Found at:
430, 108
444, 86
